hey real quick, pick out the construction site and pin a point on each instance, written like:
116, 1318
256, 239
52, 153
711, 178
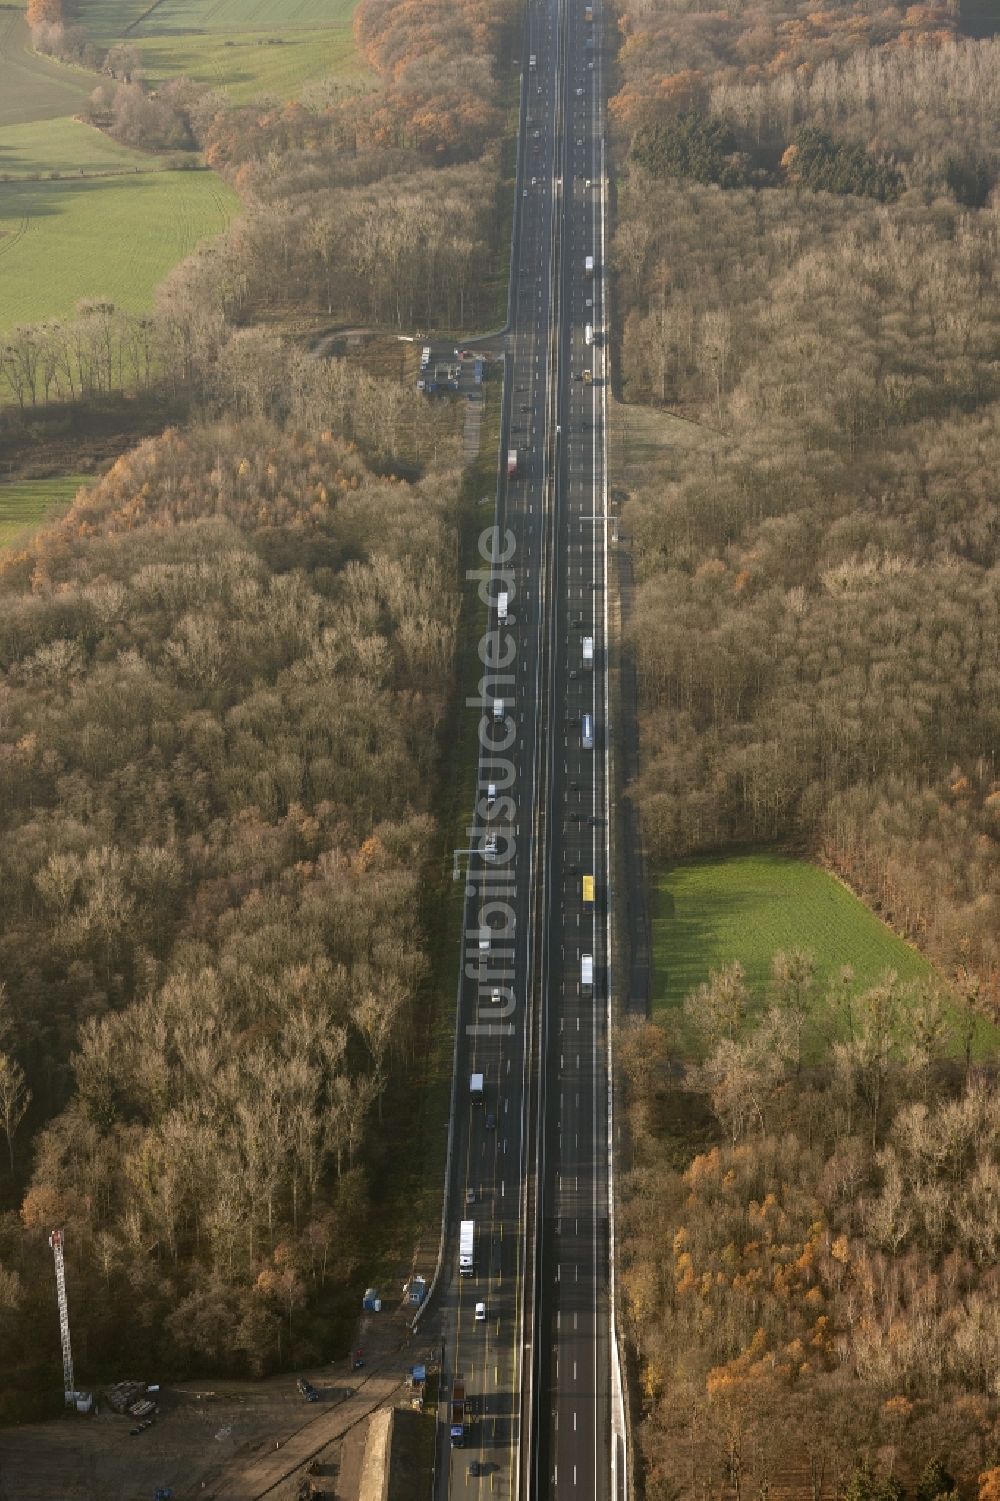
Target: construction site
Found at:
357, 1429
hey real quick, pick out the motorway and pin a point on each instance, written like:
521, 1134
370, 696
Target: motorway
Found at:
529, 1165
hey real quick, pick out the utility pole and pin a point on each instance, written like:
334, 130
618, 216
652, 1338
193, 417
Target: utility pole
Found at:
69, 1388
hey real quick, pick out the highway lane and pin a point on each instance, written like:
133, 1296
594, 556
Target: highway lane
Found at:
537, 1369
494, 1162
573, 1451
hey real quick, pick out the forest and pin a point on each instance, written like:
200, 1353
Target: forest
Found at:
804, 272
817, 603
226, 677
811, 1294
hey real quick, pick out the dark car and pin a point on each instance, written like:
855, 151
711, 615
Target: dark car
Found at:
491, 1121
307, 1389
476, 1468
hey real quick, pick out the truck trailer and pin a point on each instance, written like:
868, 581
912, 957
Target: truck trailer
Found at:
502, 599
587, 973
588, 265
467, 1248
511, 462
458, 1412
588, 651
476, 1090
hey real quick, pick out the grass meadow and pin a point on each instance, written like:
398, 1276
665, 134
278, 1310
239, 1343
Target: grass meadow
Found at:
40, 148
109, 237
708, 912
33, 87
81, 216
248, 47
26, 504
248, 65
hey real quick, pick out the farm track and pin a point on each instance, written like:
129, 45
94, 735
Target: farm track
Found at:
10, 241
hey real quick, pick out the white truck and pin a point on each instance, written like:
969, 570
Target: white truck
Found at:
588, 334
587, 974
467, 1249
588, 651
476, 1089
587, 732
502, 599
588, 265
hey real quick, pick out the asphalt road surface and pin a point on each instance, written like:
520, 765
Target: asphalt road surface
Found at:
527, 1331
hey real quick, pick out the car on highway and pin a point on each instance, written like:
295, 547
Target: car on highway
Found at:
480, 1313
579, 93
476, 1468
491, 1121
470, 1196
534, 182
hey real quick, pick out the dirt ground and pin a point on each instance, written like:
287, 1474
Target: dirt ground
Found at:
221, 1440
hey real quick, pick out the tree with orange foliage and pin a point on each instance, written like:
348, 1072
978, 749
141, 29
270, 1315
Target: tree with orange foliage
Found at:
44, 13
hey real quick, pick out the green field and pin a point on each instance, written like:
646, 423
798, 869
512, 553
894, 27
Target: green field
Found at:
246, 15
103, 237
747, 907
42, 147
247, 65
25, 504
32, 87
249, 47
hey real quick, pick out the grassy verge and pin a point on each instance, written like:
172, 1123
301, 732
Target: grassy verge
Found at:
26, 504
708, 912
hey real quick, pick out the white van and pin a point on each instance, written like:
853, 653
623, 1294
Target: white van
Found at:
498, 708
491, 795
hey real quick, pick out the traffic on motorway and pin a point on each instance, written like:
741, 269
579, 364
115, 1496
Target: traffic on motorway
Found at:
530, 1389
